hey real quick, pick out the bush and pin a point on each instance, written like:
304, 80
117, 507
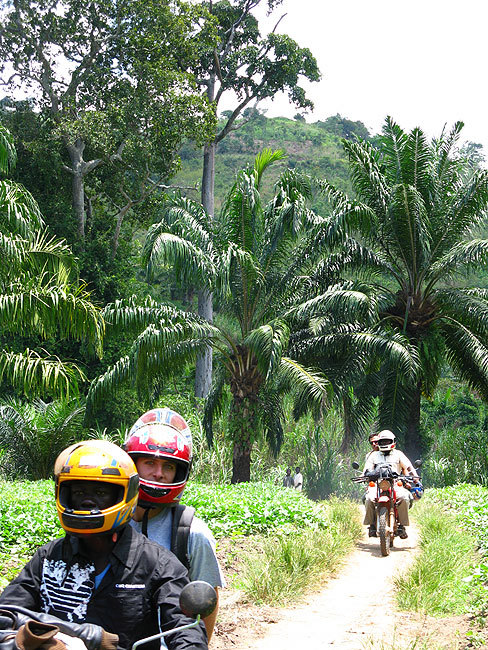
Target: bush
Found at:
248, 508
32, 435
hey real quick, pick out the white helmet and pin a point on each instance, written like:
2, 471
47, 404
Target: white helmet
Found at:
386, 441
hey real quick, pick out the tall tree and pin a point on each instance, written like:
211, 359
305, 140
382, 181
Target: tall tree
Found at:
251, 259
252, 68
40, 296
112, 77
412, 238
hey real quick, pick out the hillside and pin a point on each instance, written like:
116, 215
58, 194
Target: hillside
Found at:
314, 148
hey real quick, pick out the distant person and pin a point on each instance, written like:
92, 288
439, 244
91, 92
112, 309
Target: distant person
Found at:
288, 481
400, 464
298, 480
373, 441
160, 445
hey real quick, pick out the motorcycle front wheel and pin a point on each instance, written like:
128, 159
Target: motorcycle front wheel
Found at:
383, 533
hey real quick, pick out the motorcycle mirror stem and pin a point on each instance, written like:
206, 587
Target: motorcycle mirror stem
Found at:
198, 599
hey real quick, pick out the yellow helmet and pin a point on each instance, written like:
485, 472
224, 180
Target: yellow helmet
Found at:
96, 460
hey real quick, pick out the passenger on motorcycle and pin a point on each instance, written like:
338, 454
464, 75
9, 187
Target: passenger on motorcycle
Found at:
399, 463
160, 445
103, 571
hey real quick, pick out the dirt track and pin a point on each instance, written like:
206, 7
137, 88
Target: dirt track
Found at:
350, 612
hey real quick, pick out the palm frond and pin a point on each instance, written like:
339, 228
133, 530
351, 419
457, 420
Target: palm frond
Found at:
191, 263
31, 373
346, 305
467, 355
264, 159
464, 256
8, 155
394, 141
368, 177
469, 307
308, 386
348, 215
268, 343
409, 224
19, 212
51, 310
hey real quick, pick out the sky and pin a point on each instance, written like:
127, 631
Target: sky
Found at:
424, 62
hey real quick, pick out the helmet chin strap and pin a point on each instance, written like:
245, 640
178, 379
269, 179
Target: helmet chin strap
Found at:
145, 517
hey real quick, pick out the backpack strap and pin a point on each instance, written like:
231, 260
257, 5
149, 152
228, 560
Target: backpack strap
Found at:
182, 518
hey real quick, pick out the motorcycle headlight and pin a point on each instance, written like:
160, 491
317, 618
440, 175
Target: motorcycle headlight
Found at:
384, 484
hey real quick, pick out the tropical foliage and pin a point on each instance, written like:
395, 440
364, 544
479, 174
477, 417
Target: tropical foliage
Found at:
40, 296
33, 434
250, 259
411, 239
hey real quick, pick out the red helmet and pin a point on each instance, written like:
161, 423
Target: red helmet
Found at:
162, 433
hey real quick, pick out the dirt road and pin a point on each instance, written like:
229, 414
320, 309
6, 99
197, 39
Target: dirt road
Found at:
350, 613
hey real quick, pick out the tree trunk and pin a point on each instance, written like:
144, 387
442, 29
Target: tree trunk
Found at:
118, 226
76, 156
241, 425
413, 442
348, 432
203, 372
241, 463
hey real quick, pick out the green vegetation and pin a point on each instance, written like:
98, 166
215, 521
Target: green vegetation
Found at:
290, 562
249, 508
448, 577
252, 260
310, 535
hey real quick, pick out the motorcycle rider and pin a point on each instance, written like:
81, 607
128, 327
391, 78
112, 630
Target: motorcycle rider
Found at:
399, 463
103, 571
160, 445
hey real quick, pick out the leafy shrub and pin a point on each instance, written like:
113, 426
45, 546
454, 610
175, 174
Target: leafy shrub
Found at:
32, 435
248, 508
455, 423
28, 519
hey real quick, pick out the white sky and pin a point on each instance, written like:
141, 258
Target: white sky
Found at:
424, 62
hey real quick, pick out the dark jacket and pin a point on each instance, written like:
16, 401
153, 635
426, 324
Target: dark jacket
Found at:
142, 577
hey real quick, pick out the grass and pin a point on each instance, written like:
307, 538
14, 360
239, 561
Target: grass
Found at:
436, 583
289, 563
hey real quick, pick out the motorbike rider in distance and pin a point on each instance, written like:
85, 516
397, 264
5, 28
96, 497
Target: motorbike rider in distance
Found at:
399, 463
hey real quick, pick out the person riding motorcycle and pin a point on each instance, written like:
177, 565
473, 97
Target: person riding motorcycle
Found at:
103, 571
399, 463
160, 445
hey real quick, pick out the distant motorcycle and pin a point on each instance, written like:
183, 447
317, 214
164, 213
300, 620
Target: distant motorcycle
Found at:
382, 482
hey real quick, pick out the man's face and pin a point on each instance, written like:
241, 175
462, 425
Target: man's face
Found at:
92, 495
159, 470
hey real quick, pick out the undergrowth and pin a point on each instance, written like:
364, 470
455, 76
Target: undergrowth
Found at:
289, 563
440, 580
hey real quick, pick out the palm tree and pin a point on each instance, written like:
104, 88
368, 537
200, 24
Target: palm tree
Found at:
250, 259
39, 293
32, 435
412, 237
